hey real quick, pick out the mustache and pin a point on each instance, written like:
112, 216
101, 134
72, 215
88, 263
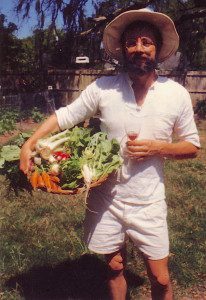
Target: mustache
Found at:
140, 64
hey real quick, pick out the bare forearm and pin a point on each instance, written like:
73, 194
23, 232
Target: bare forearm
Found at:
178, 150
145, 148
48, 126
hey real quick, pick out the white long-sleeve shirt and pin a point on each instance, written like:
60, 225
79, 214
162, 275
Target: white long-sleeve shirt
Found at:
167, 109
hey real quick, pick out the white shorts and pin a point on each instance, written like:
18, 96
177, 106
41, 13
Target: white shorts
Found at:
107, 226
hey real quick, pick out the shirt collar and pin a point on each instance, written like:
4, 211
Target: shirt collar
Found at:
130, 82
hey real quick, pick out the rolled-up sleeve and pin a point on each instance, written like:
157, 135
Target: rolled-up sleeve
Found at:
84, 107
185, 126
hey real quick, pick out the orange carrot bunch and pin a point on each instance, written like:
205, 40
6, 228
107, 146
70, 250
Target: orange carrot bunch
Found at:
48, 181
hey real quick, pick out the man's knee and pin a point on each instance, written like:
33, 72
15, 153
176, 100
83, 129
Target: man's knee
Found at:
115, 261
163, 280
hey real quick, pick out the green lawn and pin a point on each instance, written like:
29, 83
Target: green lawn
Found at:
42, 255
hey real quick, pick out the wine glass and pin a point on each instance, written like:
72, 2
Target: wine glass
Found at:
132, 126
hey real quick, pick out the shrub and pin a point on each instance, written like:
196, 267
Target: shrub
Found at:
8, 119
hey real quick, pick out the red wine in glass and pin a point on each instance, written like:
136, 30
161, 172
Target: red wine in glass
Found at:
132, 135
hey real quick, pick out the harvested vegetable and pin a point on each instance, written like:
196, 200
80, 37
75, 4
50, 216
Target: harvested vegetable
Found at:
75, 159
34, 179
47, 181
69, 162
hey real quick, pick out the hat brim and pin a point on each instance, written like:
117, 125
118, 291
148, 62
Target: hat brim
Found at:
114, 30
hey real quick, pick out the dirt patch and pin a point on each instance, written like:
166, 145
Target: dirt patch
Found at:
23, 126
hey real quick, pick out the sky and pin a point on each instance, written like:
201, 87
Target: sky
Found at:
28, 25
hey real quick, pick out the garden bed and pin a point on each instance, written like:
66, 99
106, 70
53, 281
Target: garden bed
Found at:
23, 126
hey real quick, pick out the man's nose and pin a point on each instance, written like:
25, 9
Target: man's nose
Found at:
139, 47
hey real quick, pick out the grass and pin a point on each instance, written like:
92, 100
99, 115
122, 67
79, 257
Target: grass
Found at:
42, 255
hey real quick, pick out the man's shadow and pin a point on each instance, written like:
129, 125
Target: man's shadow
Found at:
84, 279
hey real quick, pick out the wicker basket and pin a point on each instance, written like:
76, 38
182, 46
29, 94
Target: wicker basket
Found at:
79, 190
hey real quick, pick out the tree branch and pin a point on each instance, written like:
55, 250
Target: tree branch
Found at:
190, 16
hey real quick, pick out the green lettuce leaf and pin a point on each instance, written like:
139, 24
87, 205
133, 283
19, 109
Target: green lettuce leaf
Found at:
10, 153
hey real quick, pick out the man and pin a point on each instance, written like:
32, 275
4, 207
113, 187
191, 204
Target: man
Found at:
132, 202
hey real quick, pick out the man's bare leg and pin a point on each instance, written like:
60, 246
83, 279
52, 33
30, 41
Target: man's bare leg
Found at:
161, 288
117, 282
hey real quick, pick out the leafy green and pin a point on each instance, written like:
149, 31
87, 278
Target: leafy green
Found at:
10, 153
98, 153
71, 173
20, 138
101, 155
9, 161
95, 151
78, 139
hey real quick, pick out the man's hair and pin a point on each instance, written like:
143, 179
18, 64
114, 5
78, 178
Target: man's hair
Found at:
145, 25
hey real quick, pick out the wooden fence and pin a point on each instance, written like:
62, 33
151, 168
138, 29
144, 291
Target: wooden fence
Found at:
68, 84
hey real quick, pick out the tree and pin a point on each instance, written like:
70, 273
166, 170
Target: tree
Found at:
190, 20
72, 11
188, 15
10, 46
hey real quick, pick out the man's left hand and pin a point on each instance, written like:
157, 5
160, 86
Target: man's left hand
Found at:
140, 149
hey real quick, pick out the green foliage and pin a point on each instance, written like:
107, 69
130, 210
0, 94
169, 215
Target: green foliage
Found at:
96, 152
8, 119
10, 48
9, 161
9, 153
28, 56
36, 115
58, 48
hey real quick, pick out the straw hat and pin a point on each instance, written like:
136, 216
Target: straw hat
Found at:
113, 32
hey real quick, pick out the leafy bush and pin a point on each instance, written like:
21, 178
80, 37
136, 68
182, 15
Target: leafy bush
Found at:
34, 114
200, 109
8, 119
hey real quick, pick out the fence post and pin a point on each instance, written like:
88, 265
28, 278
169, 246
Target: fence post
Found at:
50, 101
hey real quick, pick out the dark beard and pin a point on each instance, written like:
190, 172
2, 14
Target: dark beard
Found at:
138, 66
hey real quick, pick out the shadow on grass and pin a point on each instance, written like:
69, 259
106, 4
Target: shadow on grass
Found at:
16, 180
83, 278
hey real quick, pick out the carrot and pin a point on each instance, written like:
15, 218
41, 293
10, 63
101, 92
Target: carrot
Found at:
40, 181
33, 179
47, 181
54, 187
65, 192
54, 179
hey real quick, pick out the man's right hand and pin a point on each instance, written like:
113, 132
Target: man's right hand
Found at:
48, 126
25, 158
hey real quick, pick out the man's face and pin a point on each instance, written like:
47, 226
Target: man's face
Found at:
139, 47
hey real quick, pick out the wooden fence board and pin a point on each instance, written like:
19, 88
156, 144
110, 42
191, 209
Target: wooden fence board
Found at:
68, 84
